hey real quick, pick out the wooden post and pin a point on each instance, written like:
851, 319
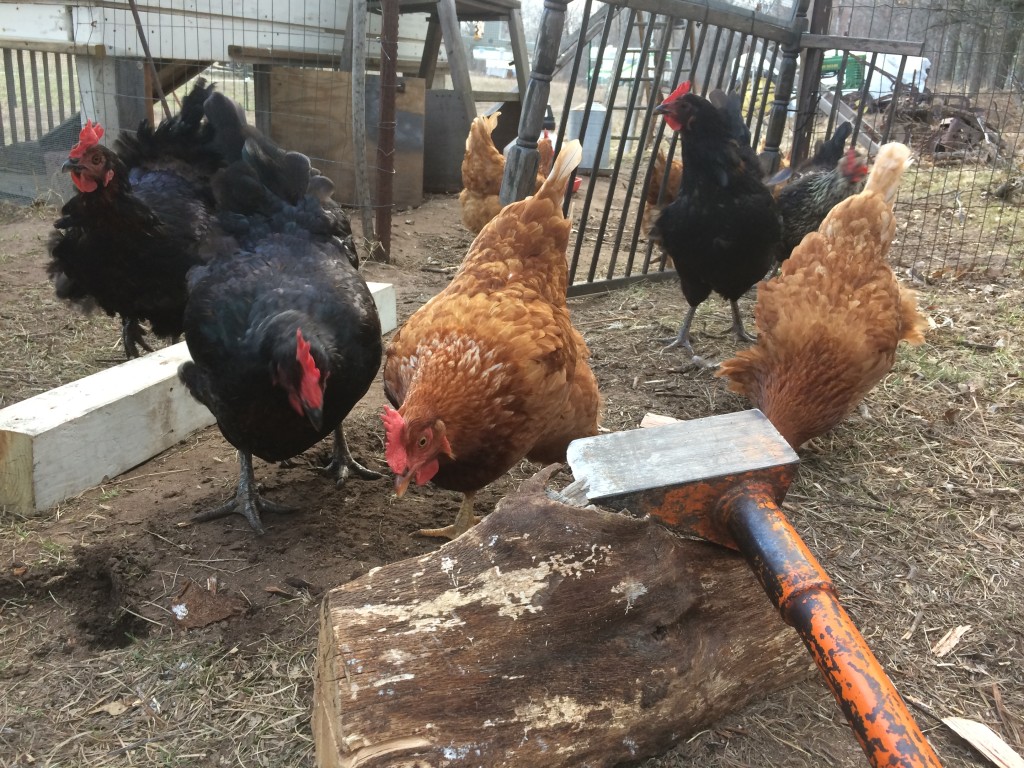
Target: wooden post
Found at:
457, 63
386, 125
520, 176
362, 182
548, 635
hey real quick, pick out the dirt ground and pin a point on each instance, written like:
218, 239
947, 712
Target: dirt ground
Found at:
913, 505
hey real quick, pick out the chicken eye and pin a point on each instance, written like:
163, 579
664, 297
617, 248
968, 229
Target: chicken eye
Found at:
422, 442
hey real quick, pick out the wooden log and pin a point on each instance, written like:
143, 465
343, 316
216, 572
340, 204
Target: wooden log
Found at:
548, 635
61, 442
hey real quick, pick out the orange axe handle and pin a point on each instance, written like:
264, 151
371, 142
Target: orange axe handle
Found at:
803, 592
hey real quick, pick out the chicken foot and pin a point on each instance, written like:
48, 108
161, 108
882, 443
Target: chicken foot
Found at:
343, 464
737, 323
133, 337
683, 340
464, 520
247, 501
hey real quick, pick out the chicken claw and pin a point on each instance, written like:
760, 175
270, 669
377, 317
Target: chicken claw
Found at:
737, 324
464, 520
683, 341
343, 464
247, 501
132, 337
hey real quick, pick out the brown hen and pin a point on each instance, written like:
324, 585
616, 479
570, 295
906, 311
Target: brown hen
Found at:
483, 166
491, 370
829, 325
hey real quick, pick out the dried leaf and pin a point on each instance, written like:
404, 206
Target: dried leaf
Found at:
986, 741
950, 640
115, 708
195, 606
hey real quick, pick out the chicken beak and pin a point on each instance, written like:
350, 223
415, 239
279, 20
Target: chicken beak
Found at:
315, 416
70, 165
402, 482
660, 109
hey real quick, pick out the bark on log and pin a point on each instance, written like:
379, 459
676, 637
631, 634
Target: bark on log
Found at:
549, 635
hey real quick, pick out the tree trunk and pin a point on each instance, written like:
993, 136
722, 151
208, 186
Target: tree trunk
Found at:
549, 635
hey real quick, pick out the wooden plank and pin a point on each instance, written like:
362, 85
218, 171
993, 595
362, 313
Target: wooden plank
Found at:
866, 44
719, 14
52, 46
61, 442
548, 635
71, 438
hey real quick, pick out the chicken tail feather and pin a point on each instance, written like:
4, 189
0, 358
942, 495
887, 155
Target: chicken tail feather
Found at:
892, 160
566, 162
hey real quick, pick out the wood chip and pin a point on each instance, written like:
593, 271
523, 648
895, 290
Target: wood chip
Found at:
986, 741
950, 640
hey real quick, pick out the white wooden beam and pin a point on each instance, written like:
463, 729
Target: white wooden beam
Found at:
61, 442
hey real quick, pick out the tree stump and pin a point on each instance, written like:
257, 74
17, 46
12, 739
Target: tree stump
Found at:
548, 635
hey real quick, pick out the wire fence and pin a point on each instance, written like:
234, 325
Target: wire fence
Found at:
959, 103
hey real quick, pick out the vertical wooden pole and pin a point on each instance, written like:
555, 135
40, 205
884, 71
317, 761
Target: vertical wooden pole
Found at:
386, 125
521, 166
457, 63
358, 81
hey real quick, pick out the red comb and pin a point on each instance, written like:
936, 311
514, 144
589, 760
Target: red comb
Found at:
394, 451
87, 139
679, 92
310, 391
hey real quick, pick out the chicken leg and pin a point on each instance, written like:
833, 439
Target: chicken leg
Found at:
247, 501
132, 337
737, 323
343, 464
683, 340
464, 520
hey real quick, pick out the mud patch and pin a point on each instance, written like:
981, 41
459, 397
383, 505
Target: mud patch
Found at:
101, 587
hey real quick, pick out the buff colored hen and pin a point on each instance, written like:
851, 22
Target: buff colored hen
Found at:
483, 166
491, 370
829, 325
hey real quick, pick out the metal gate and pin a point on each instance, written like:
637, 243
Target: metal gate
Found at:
629, 54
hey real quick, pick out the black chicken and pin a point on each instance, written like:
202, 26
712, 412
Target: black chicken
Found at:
127, 239
829, 152
804, 203
282, 329
722, 231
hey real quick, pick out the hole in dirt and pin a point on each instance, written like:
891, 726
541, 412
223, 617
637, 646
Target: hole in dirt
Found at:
101, 587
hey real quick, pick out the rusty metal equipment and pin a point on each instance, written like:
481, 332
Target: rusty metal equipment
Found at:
722, 479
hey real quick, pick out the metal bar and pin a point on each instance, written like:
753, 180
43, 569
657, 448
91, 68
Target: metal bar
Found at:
591, 93
59, 77
805, 596
896, 93
603, 136
605, 286
620, 152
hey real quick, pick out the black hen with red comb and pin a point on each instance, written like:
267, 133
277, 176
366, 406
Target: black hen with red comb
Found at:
125, 242
283, 331
723, 230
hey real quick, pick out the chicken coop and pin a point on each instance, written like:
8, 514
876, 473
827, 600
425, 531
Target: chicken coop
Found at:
939, 78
